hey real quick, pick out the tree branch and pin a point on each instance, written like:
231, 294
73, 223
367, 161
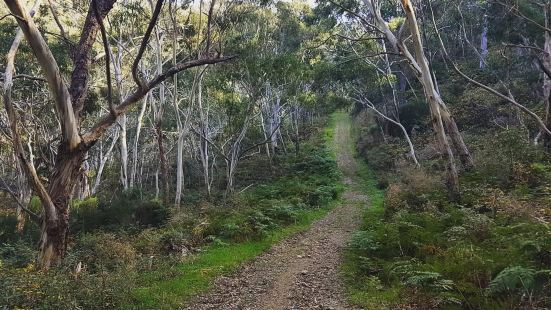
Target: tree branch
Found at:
107, 62
107, 120
83, 53
26, 164
143, 45
51, 70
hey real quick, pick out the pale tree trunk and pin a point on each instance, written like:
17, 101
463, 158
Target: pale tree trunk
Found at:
484, 42
265, 133
179, 127
103, 159
434, 100
135, 147
122, 121
24, 193
546, 79
204, 127
440, 115
274, 122
234, 156
296, 124
419, 65
123, 152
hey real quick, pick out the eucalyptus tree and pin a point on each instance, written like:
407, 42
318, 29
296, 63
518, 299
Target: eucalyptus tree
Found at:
69, 99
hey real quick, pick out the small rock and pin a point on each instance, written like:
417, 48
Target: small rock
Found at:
304, 272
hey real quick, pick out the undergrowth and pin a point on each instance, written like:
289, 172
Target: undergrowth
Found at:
134, 253
417, 249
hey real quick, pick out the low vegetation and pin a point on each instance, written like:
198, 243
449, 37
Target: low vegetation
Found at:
489, 250
137, 253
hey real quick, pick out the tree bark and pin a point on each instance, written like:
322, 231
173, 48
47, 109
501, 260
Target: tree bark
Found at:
436, 104
135, 155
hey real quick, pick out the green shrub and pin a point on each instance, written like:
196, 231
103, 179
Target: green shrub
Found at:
17, 254
517, 278
364, 241
285, 214
151, 213
175, 241
104, 251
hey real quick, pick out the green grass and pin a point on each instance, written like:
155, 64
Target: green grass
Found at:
365, 291
196, 275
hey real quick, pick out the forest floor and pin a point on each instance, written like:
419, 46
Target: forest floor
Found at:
303, 271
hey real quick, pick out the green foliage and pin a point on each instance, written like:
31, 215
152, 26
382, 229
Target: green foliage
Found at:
18, 254
520, 278
104, 252
127, 210
424, 249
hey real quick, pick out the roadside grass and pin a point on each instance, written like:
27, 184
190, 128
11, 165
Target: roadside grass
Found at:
197, 274
363, 291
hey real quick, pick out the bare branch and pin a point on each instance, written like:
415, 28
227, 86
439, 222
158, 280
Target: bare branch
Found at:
143, 45
107, 120
107, 62
509, 98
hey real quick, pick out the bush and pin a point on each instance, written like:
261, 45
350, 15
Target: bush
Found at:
416, 190
104, 251
520, 279
151, 213
18, 254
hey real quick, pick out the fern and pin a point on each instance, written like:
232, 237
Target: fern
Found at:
429, 280
512, 278
364, 241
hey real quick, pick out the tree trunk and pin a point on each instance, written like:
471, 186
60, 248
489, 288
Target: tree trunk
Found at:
24, 196
135, 155
484, 42
204, 127
439, 113
162, 162
455, 136
179, 127
53, 243
123, 148
546, 79
103, 160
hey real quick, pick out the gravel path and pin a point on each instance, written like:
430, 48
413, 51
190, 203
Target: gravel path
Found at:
301, 272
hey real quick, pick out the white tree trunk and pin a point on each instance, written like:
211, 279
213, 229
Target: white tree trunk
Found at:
484, 42
103, 160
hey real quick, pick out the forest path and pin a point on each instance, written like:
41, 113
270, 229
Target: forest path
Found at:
301, 272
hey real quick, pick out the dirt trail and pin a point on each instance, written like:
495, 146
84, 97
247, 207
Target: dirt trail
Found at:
301, 272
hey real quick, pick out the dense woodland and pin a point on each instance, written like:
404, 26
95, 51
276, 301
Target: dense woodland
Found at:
138, 136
